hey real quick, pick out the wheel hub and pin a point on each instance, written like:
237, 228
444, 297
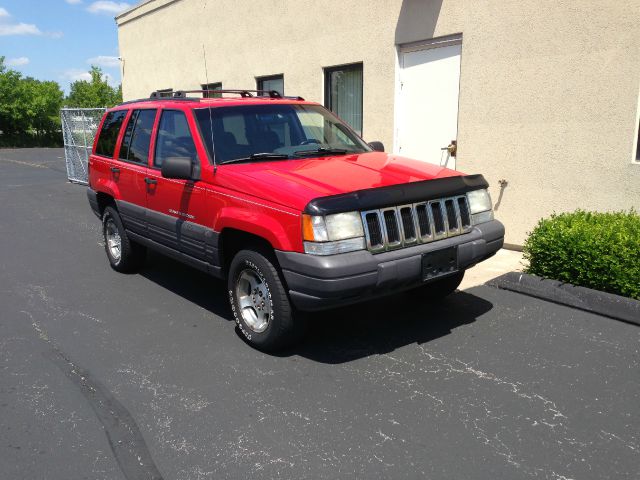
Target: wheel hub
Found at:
253, 296
112, 237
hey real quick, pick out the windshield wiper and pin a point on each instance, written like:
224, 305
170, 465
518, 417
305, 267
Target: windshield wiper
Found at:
259, 156
321, 150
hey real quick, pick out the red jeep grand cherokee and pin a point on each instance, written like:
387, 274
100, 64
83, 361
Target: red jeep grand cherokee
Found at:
285, 201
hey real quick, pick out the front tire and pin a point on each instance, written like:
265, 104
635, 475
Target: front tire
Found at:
259, 302
124, 255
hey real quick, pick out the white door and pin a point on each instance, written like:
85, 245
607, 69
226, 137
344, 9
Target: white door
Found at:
427, 118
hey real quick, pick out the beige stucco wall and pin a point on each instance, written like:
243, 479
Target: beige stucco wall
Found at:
548, 90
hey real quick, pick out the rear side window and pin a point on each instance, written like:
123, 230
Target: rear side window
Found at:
174, 138
137, 136
109, 134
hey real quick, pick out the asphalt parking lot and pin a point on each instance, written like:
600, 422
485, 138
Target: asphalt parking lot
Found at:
111, 376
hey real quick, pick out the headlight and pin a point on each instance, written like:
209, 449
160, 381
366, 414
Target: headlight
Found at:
332, 248
479, 201
480, 206
344, 225
331, 234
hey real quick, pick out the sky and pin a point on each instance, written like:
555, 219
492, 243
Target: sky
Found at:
60, 39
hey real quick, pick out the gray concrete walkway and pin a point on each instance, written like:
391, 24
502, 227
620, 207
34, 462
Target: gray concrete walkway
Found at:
502, 262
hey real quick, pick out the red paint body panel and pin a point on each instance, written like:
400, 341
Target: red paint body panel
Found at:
294, 183
262, 198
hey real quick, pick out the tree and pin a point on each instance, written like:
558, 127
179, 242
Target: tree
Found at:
12, 116
42, 105
95, 93
29, 108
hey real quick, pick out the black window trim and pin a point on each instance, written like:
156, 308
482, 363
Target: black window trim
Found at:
152, 162
116, 148
327, 88
263, 78
149, 158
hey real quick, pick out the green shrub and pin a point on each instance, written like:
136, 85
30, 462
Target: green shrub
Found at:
591, 249
30, 140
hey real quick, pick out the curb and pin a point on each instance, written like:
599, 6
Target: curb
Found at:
595, 301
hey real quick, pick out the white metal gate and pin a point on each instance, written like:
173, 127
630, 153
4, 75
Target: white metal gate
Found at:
79, 126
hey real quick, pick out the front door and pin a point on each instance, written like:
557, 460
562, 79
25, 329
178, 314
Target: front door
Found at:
177, 211
427, 118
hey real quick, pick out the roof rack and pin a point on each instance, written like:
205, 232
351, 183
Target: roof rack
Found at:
182, 94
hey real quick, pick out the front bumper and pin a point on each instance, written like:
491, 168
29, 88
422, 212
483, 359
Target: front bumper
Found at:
321, 282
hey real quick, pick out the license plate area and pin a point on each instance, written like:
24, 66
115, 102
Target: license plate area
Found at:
439, 263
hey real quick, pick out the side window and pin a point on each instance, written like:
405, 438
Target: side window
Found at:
137, 136
174, 138
126, 139
109, 134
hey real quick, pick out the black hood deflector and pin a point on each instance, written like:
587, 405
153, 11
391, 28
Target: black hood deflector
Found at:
392, 195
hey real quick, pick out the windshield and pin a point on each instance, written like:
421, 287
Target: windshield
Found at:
274, 132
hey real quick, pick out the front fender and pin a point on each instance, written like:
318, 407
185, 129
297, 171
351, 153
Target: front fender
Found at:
281, 230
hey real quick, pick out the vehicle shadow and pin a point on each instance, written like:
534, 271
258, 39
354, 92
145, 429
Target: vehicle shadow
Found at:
384, 325
340, 335
198, 287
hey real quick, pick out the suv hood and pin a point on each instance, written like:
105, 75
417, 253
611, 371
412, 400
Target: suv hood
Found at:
294, 183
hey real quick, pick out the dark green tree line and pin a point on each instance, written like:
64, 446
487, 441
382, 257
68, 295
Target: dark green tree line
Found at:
30, 108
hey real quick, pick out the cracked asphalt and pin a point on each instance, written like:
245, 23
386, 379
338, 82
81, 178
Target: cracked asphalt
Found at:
111, 376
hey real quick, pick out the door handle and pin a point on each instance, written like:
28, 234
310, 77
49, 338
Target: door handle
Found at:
115, 169
150, 181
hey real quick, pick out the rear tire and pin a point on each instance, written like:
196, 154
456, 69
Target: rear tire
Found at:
439, 289
259, 302
124, 255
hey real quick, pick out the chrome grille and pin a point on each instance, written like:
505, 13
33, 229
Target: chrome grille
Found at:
408, 224
405, 225
424, 222
392, 228
375, 237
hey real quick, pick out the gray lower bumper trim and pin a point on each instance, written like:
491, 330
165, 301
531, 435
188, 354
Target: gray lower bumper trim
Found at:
317, 282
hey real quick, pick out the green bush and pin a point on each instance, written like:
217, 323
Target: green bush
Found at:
30, 140
591, 249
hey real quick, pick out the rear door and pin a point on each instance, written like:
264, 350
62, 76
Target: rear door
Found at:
177, 211
130, 168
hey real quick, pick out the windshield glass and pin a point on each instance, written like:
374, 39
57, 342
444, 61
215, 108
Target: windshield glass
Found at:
274, 132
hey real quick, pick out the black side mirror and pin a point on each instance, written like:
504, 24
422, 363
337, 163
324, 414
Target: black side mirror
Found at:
178, 167
377, 146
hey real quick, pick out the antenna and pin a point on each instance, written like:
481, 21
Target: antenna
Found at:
206, 76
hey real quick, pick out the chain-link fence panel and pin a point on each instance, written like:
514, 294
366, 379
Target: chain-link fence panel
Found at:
79, 127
